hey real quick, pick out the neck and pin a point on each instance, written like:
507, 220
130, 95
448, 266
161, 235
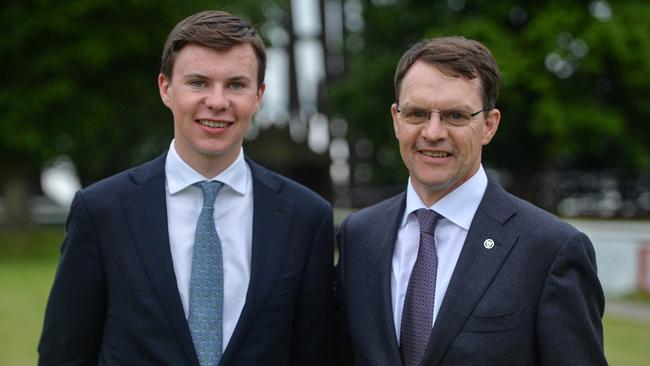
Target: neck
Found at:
208, 166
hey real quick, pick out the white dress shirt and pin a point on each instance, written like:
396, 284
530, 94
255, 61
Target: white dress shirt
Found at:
233, 215
457, 209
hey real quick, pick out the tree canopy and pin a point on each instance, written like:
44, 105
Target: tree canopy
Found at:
574, 80
80, 80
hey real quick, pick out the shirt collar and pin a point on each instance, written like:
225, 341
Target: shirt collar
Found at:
458, 206
179, 175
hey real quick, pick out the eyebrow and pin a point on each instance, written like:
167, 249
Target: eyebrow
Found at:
194, 76
458, 107
240, 78
203, 77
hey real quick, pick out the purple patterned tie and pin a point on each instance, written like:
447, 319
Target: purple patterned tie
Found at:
417, 315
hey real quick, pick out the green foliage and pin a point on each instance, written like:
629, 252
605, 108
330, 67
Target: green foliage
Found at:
588, 112
80, 79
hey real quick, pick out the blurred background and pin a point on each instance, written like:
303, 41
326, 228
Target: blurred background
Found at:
79, 102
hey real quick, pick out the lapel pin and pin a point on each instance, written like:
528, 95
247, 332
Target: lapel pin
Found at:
488, 243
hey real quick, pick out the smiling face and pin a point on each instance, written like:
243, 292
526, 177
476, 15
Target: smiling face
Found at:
213, 96
440, 156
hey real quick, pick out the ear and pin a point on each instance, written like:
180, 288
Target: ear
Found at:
491, 126
393, 113
163, 88
260, 96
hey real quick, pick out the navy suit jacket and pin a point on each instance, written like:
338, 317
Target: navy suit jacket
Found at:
115, 301
532, 299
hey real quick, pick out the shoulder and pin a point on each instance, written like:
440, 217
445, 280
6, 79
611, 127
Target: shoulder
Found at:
512, 210
379, 213
111, 186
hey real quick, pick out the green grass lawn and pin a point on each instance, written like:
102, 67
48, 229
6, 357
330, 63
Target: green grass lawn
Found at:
28, 262
24, 287
627, 342
27, 265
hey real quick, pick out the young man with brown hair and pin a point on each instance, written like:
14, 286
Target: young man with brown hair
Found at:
200, 256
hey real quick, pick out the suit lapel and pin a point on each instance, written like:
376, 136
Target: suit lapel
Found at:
146, 212
272, 214
475, 270
381, 244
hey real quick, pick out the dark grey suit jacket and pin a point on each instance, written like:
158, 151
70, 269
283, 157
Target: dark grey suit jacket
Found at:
115, 301
533, 299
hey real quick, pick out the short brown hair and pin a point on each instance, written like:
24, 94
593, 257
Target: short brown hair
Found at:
214, 29
456, 57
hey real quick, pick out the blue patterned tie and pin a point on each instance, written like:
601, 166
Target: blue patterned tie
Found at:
206, 288
417, 315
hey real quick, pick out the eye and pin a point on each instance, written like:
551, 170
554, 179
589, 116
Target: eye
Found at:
197, 83
414, 113
418, 113
455, 116
237, 85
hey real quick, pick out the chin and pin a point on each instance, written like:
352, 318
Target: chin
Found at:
437, 183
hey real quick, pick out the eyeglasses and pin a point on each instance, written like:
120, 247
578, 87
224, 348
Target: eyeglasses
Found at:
416, 115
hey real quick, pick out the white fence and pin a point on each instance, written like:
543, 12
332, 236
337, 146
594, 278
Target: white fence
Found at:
622, 249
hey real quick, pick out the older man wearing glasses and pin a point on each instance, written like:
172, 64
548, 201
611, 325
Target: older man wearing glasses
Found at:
456, 271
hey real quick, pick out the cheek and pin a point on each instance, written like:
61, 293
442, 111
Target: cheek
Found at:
181, 113
486, 137
473, 139
475, 129
405, 135
481, 134
247, 106
181, 103
402, 143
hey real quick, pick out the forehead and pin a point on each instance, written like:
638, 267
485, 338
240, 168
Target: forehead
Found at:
197, 59
425, 84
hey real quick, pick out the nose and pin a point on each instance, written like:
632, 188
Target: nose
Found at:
434, 129
217, 98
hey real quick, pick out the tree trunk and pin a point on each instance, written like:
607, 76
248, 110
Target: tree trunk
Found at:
16, 191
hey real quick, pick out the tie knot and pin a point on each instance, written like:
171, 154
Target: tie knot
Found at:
428, 220
210, 190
